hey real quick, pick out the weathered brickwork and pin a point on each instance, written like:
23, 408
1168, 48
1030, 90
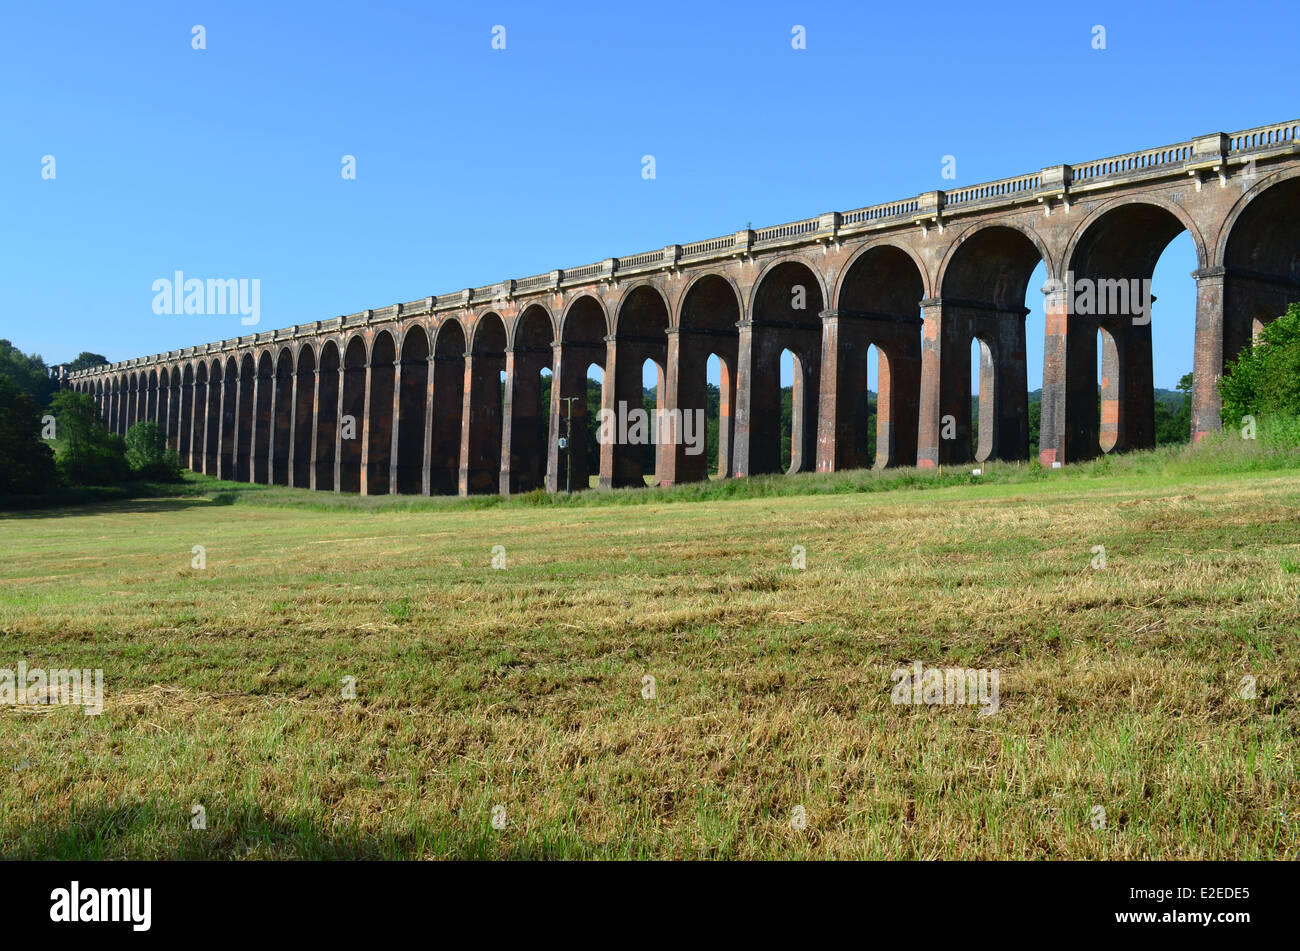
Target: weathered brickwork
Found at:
409, 398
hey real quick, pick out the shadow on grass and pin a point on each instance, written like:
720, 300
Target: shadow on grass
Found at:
110, 506
149, 830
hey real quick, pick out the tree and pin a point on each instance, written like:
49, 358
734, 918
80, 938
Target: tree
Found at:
147, 453
88, 453
26, 461
28, 373
85, 360
1264, 380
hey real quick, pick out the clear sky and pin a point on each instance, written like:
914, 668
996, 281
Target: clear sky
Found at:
475, 164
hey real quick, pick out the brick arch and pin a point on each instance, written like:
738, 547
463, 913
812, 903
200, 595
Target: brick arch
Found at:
927, 287
301, 469
412, 421
704, 325
482, 325
436, 334
758, 433
406, 328
773, 264
443, 433
513, 325
640, 286
376, 450
877, 303
357, 336
676, 303
1240, 207
573, 303
1095, 215
973, 231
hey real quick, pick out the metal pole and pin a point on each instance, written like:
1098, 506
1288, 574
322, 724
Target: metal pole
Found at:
568, 444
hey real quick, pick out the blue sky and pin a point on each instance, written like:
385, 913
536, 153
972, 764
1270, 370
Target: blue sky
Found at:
474, 165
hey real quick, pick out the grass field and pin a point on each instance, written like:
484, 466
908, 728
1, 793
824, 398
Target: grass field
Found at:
523, 688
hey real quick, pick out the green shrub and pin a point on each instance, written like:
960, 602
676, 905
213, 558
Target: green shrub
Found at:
1264, 380
147, 453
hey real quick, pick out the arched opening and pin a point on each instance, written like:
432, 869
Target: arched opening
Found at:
984, 378
1110, 383
113, 402
1261, 260
705, 351
352, 418
213, 426
304, 419
119, 402
261, 435
410, 424
228, 420
131, 394
186, 423
151, 406
719, 411
877, 366
873, 401
983, 293
246, 392
174, 410
641, 335
654, 422
378, 448
448, 404
199, 419
592, 404
527, 398
282, 418
573, 452
158, 384
787, 308
327, 416
791, 373
481, 453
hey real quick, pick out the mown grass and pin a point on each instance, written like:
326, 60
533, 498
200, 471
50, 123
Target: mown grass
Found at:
523, 687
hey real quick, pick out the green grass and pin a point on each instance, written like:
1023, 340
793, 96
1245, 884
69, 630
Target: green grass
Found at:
523, 687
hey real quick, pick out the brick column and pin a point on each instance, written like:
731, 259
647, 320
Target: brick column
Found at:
744, 421
338, 418
316, 461
673, 464
293, 424
929, 453
1207, 361
843, 391
430, 433
366, 433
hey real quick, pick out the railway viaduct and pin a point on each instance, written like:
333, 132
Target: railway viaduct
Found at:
408, 398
